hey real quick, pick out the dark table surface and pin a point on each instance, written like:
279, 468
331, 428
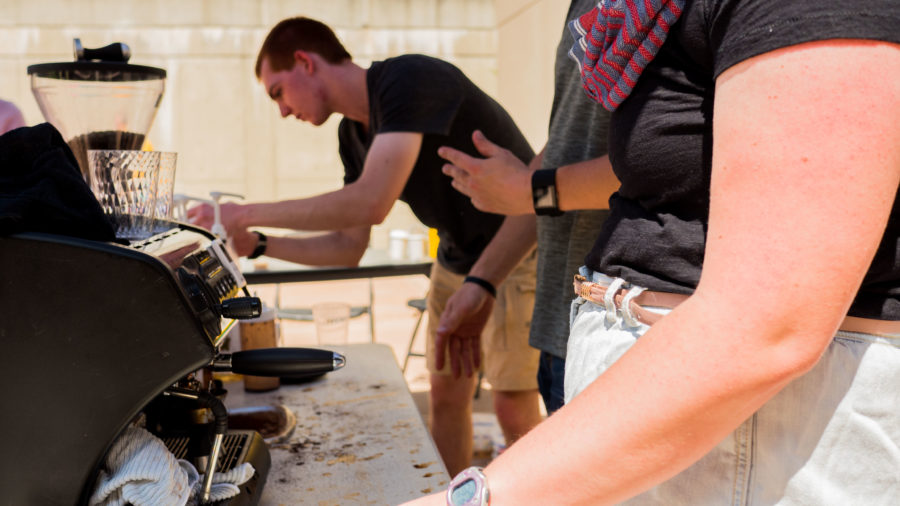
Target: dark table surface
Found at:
374, 264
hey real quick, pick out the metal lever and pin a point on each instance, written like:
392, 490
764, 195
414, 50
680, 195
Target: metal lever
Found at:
220, 415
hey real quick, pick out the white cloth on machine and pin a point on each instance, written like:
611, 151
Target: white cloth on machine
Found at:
141, 471
224, 485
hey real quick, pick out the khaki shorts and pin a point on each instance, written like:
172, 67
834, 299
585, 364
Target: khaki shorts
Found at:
508, 362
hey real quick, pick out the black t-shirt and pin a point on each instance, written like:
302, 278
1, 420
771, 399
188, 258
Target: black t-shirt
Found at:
415, 93
661, 139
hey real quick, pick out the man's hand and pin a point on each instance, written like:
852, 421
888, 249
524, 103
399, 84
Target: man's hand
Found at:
500, 183
461, 324
203, 215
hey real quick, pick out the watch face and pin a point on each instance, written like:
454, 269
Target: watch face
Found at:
464, 492
469, 488
543, 198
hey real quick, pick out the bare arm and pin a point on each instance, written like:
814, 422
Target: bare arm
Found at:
364, 202
800, 206
586, 185
501, 183
515, 239
338, 248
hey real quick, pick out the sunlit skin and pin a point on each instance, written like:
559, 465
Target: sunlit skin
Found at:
820, 197
299, 91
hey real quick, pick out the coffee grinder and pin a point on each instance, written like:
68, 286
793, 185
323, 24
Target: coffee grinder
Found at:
99, 100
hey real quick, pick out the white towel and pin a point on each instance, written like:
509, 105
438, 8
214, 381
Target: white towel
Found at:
140, 470
225, 485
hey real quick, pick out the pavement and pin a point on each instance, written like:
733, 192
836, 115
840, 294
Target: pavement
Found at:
393, 322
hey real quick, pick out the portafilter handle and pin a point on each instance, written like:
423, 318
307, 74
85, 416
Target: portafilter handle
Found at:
283, 362
240, 308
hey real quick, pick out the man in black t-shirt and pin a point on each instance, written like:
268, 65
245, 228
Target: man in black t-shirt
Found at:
396, 115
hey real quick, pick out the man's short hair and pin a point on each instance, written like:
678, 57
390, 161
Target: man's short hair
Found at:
302, 34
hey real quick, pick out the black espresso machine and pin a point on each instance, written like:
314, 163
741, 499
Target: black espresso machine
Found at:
98, 334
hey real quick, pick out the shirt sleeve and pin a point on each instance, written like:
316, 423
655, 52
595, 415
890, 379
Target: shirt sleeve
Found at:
352, 150
742, 29
418, 94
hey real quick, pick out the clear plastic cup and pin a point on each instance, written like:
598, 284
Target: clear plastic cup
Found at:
332, 322
125, 184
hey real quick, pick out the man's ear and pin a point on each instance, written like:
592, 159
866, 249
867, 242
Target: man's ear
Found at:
305, 60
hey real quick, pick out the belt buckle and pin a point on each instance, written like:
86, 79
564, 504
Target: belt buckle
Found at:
584, 286
585, 291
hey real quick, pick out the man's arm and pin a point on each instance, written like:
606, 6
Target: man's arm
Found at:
364, 202
468, 309
586, 185
501, 183
338, 248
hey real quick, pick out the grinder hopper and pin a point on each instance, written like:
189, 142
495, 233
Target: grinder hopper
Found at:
98, 101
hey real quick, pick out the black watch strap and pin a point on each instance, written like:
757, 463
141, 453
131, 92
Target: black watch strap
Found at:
260, 248
543, 193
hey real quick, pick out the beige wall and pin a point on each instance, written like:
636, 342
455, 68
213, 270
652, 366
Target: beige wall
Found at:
528, 32
227, 133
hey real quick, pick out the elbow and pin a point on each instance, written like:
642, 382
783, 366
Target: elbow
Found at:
374, 213
798, 352
348, 257
804, 359
354, 256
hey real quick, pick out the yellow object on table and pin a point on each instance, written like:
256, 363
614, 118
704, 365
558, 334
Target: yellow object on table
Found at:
433, 241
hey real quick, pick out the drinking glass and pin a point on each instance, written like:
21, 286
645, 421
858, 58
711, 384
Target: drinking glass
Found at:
125, 184
165, 189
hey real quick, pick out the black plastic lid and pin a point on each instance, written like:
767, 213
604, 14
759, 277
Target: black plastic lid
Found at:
86, 71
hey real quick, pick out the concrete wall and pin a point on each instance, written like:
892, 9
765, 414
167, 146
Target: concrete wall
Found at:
228, 134
528, 32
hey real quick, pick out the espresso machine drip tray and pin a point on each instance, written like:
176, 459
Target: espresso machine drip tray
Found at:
239, 446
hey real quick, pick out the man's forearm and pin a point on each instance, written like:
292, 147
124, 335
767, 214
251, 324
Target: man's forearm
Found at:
512, 242
347, 207
586, 185
340, 248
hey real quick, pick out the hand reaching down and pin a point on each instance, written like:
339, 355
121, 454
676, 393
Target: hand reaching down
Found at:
460, 329
499, 183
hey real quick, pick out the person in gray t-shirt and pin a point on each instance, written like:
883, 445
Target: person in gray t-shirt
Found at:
577, 133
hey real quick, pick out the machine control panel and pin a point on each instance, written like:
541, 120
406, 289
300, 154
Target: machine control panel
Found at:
210, 279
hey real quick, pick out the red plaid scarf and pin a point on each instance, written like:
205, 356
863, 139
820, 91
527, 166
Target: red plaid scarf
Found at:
616, 40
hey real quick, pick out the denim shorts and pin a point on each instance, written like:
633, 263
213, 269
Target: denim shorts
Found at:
831, 436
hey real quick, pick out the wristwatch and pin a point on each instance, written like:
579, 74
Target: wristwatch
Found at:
260, 248
469, 488
543, 193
